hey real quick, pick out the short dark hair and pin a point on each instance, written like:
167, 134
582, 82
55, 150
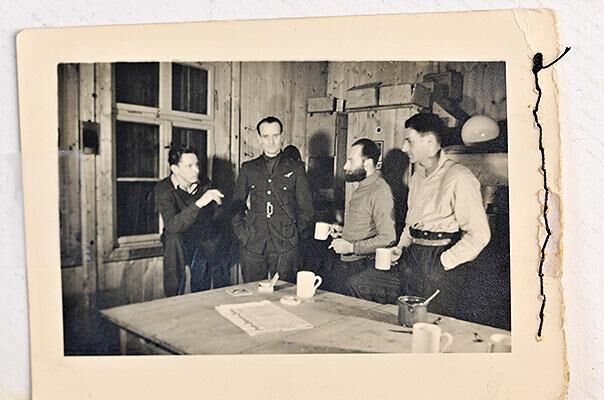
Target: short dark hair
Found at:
269, 120
425, 123
369, 149
176, 152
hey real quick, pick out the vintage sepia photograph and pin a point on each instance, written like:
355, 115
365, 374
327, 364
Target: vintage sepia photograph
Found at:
284, 207
339, 213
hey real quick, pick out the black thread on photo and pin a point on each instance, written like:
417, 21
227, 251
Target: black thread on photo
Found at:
537, 67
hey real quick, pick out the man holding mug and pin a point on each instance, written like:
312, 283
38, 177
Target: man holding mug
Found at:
446, 224
369, 217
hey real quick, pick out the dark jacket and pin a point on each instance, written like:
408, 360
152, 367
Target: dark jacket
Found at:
186, 228
287, 189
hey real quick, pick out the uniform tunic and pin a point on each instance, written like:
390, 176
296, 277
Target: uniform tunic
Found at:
280, 213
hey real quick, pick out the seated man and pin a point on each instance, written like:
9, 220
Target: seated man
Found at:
184, 207
369, 217
446, 224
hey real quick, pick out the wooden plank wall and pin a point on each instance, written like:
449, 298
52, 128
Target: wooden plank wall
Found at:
105, 175
224, 169
484, 89
69, 165
279, 89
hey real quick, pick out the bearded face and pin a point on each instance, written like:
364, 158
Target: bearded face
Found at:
355, 175
354, 168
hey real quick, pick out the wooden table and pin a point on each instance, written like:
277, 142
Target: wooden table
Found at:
191, 325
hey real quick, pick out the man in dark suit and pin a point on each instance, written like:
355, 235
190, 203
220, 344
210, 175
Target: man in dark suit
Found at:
273, 209
185, 205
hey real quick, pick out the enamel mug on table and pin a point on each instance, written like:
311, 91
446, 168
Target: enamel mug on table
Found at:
307, 283
429, 338
500, 343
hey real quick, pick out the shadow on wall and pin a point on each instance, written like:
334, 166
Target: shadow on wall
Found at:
319, 145
223, 176
394, 168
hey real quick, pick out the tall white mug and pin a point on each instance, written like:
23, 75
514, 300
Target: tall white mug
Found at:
383, 258
322, 230
427, 338
500, 343
307, 283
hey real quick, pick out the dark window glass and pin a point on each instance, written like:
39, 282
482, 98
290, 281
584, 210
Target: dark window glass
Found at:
137, 83
189, 89
197, 138
136, 214
137, 150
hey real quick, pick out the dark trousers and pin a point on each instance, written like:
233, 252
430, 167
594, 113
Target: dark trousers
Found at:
376, 285
208, 273
176, 256
341, 272
422, 274
205, 273
419, 273
256, 267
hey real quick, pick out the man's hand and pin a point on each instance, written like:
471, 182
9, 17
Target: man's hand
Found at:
208, 197
396, 253
341, 246
335, 231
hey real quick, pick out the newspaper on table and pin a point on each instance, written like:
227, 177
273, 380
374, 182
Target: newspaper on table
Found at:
261, 317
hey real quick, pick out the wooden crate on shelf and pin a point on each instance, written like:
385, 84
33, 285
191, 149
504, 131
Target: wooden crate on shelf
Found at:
321, 104
406, 93
362, 96
447, 84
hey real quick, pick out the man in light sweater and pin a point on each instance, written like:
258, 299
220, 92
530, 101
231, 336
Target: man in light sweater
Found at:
368, 220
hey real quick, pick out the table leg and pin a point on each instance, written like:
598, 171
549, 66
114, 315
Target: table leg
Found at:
123, 342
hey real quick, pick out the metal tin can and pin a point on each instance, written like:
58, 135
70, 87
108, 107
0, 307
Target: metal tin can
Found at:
411, 310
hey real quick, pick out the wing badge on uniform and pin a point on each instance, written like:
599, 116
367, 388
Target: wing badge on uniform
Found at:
289, 174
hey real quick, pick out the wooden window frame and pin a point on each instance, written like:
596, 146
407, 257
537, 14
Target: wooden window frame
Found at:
165, 118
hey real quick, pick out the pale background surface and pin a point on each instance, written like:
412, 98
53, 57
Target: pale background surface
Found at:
580, 86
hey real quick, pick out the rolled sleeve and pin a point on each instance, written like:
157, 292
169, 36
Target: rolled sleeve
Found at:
471, 216
405, 240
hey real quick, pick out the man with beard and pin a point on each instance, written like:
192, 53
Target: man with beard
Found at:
368, 220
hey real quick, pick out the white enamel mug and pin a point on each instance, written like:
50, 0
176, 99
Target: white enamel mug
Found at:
307, 283
428, 338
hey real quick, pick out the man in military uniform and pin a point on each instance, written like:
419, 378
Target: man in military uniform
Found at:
272, 209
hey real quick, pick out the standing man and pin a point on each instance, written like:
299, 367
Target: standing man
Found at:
280, 209
184, 207
446, 224
368, 220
